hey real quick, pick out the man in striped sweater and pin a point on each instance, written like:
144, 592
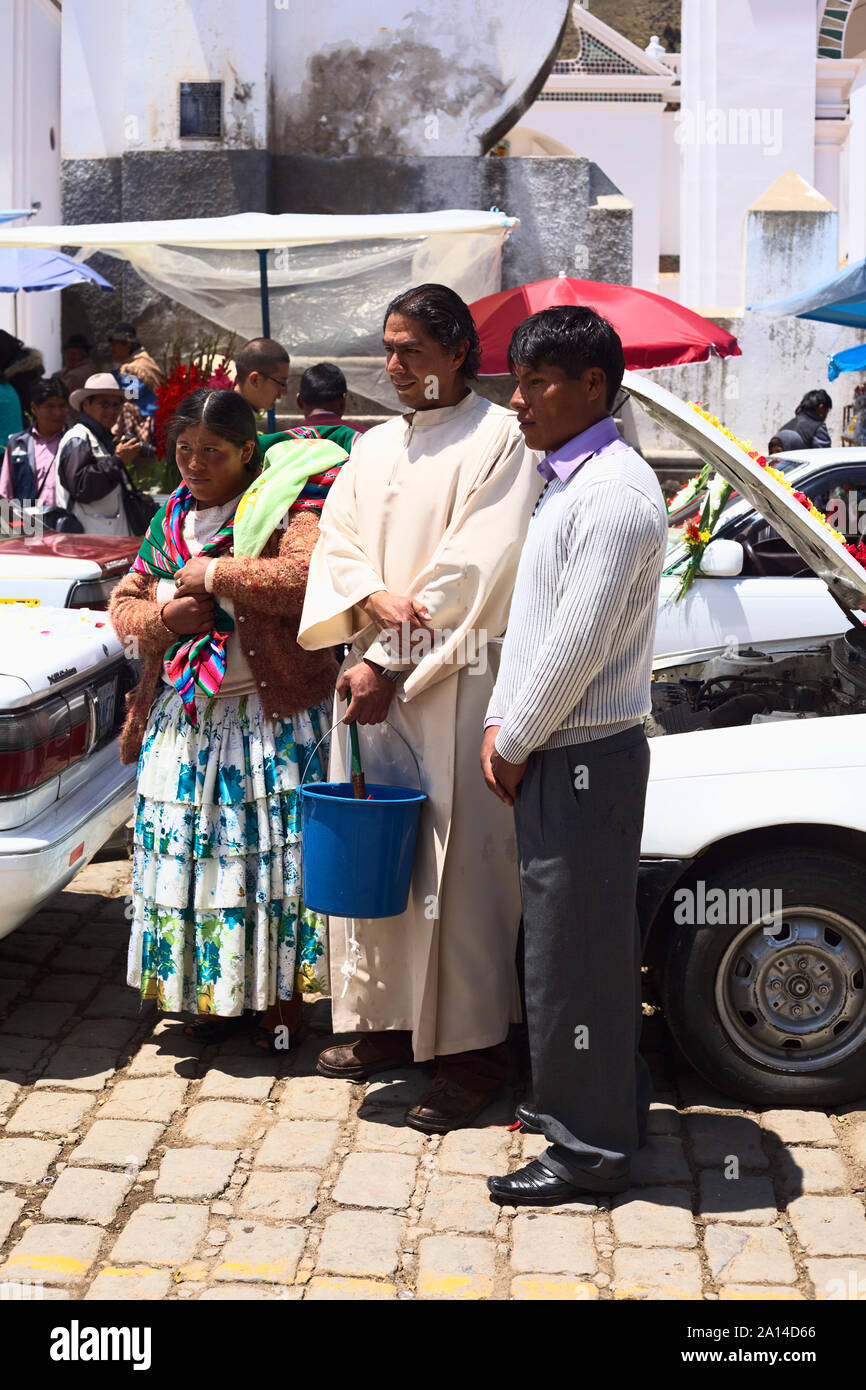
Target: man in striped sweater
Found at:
564, 744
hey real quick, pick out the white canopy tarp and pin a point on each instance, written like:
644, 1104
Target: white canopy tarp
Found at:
329, 277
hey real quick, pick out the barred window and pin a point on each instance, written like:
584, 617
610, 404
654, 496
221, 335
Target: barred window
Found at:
201, 110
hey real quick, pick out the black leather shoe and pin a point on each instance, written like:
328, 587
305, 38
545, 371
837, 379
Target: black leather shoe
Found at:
528, 1119
537, 1186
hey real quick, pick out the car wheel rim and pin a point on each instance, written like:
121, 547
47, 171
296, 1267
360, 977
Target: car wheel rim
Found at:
791, 994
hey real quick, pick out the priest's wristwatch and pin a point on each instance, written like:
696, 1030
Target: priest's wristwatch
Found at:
386, 671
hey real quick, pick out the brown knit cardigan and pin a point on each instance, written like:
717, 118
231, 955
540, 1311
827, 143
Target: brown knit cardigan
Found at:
268, 594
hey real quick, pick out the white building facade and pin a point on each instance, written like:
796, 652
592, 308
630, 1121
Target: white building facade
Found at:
615, 100
693, 139
30, 151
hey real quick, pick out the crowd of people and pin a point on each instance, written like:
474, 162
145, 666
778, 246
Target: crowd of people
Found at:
81, 475
532, 536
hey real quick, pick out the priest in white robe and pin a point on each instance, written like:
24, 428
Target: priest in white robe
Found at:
419, 544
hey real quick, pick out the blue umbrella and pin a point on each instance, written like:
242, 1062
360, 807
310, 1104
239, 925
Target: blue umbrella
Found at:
841, 299
852, 360
23, 268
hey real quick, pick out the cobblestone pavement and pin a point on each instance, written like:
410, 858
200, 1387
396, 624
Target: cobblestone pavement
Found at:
137, 1165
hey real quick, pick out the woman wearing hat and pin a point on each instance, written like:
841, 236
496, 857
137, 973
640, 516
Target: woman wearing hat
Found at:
89, 472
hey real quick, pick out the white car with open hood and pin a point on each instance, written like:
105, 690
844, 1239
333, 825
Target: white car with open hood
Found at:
63, 789
753, 876
752, 588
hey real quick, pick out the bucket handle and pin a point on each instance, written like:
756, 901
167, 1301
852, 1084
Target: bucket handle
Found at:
384, 721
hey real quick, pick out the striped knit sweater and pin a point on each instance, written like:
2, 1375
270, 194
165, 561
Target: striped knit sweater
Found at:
577, 655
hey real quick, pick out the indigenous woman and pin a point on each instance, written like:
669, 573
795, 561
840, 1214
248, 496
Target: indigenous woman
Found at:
224, 721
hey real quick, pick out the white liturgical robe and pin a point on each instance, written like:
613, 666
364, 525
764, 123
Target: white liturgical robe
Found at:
435, 505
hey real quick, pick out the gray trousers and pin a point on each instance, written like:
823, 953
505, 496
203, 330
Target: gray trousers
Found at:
579, 816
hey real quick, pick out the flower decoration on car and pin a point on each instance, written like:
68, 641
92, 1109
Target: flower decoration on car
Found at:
804, 501
694, 488
780, 478
697, 533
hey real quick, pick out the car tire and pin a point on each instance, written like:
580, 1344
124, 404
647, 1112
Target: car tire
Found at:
731, 992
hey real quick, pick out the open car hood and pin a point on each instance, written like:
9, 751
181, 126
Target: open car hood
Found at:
844, 577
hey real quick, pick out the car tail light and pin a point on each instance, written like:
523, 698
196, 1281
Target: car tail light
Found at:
38, 744
92, 593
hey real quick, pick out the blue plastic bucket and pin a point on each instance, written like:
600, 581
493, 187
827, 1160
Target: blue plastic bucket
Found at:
358, 855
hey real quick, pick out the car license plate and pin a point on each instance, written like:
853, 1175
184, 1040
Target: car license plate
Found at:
105, 694
31, 602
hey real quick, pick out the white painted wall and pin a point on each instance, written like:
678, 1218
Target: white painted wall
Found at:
196, 41
122, 70
92, 61
856, 170
123, 62
828, 169
669, 192
428, 80
29, 168
7, 85
739, 55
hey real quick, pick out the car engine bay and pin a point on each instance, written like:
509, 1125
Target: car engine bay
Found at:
749, 686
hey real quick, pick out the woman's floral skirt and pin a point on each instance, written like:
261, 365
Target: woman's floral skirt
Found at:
218, 921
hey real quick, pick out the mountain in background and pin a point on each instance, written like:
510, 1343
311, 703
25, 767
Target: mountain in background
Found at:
637, 20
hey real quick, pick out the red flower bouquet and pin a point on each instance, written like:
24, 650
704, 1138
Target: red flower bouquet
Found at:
186, 370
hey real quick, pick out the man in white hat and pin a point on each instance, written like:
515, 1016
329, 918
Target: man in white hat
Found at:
89, 471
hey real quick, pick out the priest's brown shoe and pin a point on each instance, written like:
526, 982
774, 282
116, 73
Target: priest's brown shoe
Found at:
369, 1054
446, 1106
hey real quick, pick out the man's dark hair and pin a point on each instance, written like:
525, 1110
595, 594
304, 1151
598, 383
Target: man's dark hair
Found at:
46, 388
446, 318
775, 440
259, 355
226, 413
812, 400
573, 338
322, 384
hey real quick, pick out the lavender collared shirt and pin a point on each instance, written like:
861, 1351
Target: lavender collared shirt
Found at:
601, 438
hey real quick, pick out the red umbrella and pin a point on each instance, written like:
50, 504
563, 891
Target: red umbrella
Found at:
655, 332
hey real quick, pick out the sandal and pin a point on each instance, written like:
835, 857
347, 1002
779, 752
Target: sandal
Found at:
215, 1029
